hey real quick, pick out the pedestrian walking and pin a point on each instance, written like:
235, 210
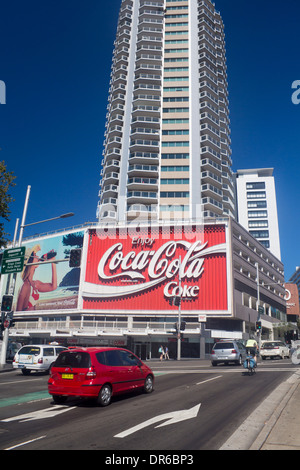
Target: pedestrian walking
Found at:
162, 353
167, 353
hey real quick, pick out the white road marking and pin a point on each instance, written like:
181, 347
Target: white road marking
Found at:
41, 414
172, 418
24, 443
209, 380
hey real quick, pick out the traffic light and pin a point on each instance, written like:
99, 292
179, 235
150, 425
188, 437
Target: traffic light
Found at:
258, 325
75, 258
2, 318
182, 326
7, 301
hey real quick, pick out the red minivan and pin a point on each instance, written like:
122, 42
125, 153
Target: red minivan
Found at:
97, 373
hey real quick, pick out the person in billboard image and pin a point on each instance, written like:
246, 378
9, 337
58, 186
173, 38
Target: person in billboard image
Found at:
29, 292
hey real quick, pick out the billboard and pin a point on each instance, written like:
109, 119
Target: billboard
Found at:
141, 272
292, 299
47, 282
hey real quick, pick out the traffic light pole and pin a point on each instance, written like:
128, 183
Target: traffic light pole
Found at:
258, 302
11, 283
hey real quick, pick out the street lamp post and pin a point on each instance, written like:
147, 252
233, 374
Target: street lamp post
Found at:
179, 315
11, 282
258, 301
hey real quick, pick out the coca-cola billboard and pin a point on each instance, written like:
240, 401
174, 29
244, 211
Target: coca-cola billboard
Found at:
140, 272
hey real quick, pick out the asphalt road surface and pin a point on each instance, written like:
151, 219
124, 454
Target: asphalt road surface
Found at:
194, 407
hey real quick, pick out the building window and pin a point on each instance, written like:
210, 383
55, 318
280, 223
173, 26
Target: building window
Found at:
259, 233
258, 185
176, 194
257, 214
259, 223
256, 195
175, 181
257, 204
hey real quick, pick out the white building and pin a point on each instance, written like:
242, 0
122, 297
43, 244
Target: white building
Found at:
257, 207
167, 148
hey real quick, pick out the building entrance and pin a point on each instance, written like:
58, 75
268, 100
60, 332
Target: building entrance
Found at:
142, 350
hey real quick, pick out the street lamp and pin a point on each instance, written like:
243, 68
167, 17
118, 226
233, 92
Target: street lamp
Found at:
23, 225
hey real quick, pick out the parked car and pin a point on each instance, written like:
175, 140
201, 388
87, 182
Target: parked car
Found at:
273, 349
98, 373
228, 351
38, 357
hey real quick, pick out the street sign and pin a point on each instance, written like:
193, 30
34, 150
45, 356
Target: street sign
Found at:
13, 260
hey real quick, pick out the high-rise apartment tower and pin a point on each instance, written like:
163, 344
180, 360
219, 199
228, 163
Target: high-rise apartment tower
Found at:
167, 141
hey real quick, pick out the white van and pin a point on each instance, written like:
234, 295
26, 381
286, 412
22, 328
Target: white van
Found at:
38, 357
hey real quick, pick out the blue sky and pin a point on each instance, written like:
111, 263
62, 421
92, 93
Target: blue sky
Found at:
55, 59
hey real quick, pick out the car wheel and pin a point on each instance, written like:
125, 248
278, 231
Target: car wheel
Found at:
148, 385
26, 371
59, 399
105, 394
214, 364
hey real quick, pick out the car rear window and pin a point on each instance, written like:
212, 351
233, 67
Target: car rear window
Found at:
32, 350
224, 346
272, 345
76, 360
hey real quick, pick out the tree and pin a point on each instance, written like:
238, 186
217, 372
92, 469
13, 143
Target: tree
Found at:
6, 183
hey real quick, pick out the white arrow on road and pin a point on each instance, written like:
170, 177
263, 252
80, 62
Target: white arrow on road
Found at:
172, 418
41, 414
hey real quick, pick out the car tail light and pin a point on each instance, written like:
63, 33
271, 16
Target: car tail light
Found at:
276, 347
213, 352
234, 351
40, 361
91, 373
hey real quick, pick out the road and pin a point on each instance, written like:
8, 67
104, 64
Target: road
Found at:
194, 407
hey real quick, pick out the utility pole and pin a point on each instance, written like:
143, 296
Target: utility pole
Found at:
258, 309
10, 287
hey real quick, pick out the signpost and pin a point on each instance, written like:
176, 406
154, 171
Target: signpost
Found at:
13, 260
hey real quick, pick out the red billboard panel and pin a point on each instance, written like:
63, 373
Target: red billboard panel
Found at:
143, 271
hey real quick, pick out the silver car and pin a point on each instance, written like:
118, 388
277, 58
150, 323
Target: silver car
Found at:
228, 351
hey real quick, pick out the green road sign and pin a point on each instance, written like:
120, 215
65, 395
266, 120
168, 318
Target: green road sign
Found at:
13, 260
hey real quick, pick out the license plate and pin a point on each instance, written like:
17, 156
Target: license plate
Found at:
67, 376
